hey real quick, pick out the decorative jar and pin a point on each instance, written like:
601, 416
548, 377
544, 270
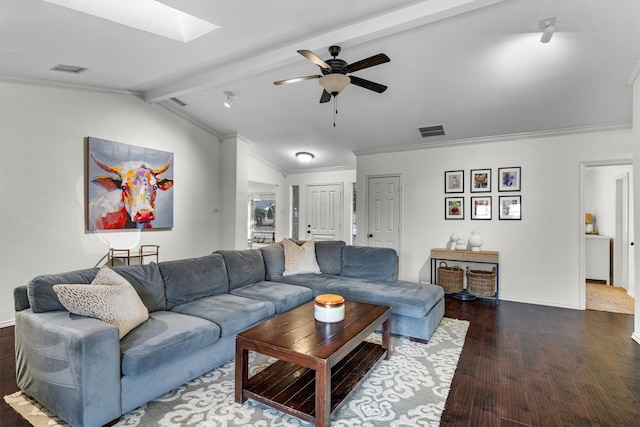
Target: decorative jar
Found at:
475, 241
329, 308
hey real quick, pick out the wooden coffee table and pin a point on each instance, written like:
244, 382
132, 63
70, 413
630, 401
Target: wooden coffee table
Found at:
320, 364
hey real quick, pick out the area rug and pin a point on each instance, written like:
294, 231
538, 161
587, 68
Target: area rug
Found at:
608, 298
410, 389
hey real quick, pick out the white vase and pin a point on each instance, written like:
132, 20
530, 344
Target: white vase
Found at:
475, 241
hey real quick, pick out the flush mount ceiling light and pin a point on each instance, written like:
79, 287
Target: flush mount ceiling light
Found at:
548, 27
230, 98
304, 157
146, 15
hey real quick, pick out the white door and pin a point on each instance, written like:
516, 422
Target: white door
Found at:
324, 212
384, 212
621, 241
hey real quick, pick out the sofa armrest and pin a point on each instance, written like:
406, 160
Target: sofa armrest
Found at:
70, 364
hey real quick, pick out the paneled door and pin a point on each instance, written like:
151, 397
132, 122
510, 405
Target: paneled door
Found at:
384, 211
324, 213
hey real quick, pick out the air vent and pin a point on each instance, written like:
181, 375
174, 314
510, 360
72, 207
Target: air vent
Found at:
74, 69
177, 101
427, 131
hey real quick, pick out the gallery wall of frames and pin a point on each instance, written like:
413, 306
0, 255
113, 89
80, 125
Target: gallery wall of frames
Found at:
480, 201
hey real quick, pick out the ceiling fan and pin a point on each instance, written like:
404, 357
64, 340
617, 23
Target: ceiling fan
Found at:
334, 73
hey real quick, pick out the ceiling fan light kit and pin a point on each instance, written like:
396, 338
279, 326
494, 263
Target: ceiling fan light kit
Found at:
334, 83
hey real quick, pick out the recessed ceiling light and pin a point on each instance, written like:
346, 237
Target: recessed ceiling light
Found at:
69, 68
146, 15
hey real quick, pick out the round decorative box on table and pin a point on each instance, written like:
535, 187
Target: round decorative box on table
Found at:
329, 308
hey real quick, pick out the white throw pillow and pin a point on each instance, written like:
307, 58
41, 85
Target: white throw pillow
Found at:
300, 259
110, 298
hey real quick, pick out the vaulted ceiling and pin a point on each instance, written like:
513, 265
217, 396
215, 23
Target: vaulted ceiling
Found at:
477, 67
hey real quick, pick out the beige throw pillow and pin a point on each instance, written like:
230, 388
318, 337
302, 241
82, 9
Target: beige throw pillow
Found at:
300, 259
110, 298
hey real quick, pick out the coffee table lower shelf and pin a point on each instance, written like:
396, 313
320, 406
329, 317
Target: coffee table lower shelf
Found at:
291, 388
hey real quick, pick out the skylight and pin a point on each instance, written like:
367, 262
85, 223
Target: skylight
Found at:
146, 15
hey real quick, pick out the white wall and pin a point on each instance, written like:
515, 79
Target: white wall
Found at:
42, 168
540, 254
346, 177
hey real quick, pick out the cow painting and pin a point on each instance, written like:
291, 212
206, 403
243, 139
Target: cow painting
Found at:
127, 194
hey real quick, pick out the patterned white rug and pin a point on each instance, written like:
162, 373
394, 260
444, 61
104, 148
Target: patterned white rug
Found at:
410, 389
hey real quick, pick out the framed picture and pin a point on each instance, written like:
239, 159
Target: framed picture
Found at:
454, 208
510, 207
509, 179
454, 182
481, 180
127, 187
481, 207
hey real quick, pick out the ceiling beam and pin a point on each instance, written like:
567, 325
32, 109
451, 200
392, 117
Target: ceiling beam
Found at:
396, 21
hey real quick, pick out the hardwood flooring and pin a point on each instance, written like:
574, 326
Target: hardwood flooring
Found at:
521, 365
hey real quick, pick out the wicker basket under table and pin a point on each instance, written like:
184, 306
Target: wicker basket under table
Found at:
481, 283
450, 278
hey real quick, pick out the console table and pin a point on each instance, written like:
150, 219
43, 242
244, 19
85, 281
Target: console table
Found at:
475, 257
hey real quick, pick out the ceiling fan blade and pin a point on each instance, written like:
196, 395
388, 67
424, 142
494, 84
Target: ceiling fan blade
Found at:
295, 80
376, 87
378, 59
326, 97
314, 58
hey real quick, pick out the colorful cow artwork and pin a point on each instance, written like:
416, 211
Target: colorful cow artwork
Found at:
126, 198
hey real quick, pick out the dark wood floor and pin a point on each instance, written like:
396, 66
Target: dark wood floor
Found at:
521, 365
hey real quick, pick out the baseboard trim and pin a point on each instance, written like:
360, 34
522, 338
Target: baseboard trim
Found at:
7, 323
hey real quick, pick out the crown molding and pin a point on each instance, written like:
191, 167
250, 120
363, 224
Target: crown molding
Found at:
498, 138
61, 85
174, 110
325, 169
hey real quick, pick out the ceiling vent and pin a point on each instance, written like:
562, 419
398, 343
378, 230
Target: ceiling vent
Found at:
427, 131
177, 101
74, 69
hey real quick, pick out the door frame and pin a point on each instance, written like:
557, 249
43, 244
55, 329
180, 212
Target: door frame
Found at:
582, 286
400, 211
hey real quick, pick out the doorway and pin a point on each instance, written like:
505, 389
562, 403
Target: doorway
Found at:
608, 237
324, 212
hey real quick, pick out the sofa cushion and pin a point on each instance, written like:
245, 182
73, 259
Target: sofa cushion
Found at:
232, 313
243, 266
282, 295
109, 298
41, 295
405, 298
315, 282
193, 278
370, 263
273, 256
166, 336
300, 259
329, 255
147, 281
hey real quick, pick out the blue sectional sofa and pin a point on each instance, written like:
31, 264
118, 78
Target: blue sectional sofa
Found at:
78, 368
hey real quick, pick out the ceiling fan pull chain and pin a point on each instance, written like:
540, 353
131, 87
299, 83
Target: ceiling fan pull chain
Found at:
335, 109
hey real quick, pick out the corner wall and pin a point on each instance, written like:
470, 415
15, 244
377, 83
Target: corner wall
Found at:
42, 168
540, 254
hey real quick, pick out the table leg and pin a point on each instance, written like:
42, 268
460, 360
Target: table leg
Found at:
386, 334
242, 371
323, 396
